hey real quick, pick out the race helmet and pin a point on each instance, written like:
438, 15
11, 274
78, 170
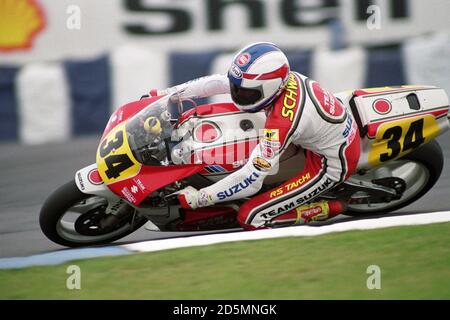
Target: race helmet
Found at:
257, 76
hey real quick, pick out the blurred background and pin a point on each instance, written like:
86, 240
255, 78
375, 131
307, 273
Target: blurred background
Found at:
65, 65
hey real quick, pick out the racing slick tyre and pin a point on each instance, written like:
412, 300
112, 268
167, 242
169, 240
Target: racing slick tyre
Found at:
420, 170
72, 218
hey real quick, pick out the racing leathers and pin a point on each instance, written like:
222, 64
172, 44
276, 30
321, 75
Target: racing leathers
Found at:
304, 114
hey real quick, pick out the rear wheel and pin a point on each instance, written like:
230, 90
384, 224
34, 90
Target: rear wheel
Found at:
72, 218
420, 170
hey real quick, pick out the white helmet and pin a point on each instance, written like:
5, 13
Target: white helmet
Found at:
257, 76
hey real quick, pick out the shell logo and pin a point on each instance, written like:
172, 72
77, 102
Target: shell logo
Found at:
20, 22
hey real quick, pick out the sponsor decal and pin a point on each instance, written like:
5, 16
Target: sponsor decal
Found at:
299, 201
276, 193
297, 183
243, 59
330, 102
275, 145
120, 117
238, 187
80, 180
181, 16
204, 199
315, 213
261, 164
236, 72
350, 129
290, 98
128, 195
311, 211
291, 186
348, 126
139, 184
134, 189
94, 177
382, 106
270, 147
315, 192
327, 102
21, 21
272, 134
267, 151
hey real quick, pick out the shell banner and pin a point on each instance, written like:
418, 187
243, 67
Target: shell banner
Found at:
20, 22
36, 30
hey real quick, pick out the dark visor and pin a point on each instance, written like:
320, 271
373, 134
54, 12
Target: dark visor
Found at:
244, 96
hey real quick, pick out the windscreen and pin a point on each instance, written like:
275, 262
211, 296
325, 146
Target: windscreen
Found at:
149, 133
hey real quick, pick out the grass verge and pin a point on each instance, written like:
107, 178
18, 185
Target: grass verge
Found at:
414, 263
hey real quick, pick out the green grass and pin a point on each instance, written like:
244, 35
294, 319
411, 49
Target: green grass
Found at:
414, 262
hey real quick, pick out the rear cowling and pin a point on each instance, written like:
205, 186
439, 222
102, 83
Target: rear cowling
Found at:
402, 101
418, 113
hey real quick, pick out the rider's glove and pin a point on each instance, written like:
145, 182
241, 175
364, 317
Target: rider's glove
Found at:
191, 198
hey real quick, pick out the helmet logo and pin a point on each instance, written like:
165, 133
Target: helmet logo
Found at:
235, 71
243, 59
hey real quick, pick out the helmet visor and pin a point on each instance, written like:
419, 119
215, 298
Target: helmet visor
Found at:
245, 96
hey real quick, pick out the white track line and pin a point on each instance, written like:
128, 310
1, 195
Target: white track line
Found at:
58, 257
299, 231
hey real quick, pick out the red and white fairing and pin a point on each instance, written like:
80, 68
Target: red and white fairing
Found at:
382, 109
218, 135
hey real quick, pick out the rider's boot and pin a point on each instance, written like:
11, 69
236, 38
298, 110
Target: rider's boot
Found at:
316, 211
320, 211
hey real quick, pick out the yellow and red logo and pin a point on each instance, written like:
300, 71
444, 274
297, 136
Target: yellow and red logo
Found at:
20, 22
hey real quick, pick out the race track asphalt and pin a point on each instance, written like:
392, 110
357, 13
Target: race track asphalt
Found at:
30, 173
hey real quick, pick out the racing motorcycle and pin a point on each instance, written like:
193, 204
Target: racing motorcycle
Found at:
146, 155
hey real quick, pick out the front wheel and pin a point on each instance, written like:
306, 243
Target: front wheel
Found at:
71, 218
420, 170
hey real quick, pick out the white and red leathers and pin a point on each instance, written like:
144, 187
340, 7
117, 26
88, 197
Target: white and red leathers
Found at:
304, 114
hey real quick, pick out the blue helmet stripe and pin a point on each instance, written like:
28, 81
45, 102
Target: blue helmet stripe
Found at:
256, 50
236, 81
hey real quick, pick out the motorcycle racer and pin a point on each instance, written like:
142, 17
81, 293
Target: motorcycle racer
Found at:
298, 111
